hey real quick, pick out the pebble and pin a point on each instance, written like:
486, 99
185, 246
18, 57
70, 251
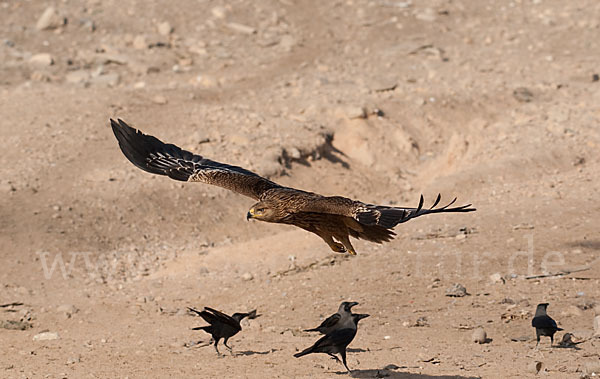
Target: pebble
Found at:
457, 290
523, 94
426, 14
164, 28
107, 80
355, 112
597, 325
50, 19
245, 29
497, 278
219, 12
77, 77
140, 42
41, 60
247, 276
46, 336
159, 99
479, 336
68, 309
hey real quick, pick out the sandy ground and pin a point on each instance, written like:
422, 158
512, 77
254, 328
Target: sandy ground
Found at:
495, 102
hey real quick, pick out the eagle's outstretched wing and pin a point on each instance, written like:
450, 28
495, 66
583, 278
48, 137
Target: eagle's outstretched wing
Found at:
369, 214
152, 155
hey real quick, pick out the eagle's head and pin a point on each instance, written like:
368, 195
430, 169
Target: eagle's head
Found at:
264, 211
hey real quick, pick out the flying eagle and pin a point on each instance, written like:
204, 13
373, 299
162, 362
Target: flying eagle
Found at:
333, 218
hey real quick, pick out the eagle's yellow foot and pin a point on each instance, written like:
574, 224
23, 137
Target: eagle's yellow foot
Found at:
351, 251
337, 247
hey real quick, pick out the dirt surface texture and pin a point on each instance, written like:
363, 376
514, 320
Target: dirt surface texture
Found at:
493, 102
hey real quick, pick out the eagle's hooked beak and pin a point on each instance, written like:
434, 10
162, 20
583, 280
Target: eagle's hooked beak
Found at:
250, 214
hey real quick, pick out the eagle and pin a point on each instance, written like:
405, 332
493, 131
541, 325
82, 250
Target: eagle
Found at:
333, 218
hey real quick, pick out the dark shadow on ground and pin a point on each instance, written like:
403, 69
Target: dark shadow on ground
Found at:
251, 352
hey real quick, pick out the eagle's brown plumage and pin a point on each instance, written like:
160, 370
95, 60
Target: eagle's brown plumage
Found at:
333, 218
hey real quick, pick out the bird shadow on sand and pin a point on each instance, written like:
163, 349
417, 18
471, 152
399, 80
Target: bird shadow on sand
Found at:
251, 352
388, 373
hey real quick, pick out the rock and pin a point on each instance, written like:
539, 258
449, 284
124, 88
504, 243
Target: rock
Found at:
107, 80
245, 29
46, 336
73, 360
140, 42
536, 367
247, 276
159, 99
497, 278
15, 325
355, 112
522, 94
77, 77
287, 42
41, 60
50, 19
592, 367
219, 12
164, 28
479, 335
426, 14
457, 290
68, 309
597, 325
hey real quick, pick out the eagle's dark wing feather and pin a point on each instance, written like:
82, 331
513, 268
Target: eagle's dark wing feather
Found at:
152, 155
369, 214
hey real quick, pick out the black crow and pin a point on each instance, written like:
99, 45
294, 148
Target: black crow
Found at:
342, 318
544, 325
336, 341
221, 325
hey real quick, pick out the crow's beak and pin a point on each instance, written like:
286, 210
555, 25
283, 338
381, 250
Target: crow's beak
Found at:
361, 316
352, 304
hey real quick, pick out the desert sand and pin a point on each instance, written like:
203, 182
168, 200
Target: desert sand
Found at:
493, 102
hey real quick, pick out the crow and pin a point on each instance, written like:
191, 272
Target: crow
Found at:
343, 317
336, 341
544, 325
221, 325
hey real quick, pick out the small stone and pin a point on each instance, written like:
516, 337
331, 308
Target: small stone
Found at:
159, 99
536, 367
457, 290
164, 28
15, 325
426, 14
77, 77
219, 12
107, 80
597, 325
68, 309
356, 112
41, 60
140, 42
497, 278
247, 276
595, 77
46, 336
294, 153
50, 19
73, 360
287, 42
240, 28
523, 94
592, 367
479, 336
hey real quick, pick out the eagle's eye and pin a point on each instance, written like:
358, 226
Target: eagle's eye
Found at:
259, 210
